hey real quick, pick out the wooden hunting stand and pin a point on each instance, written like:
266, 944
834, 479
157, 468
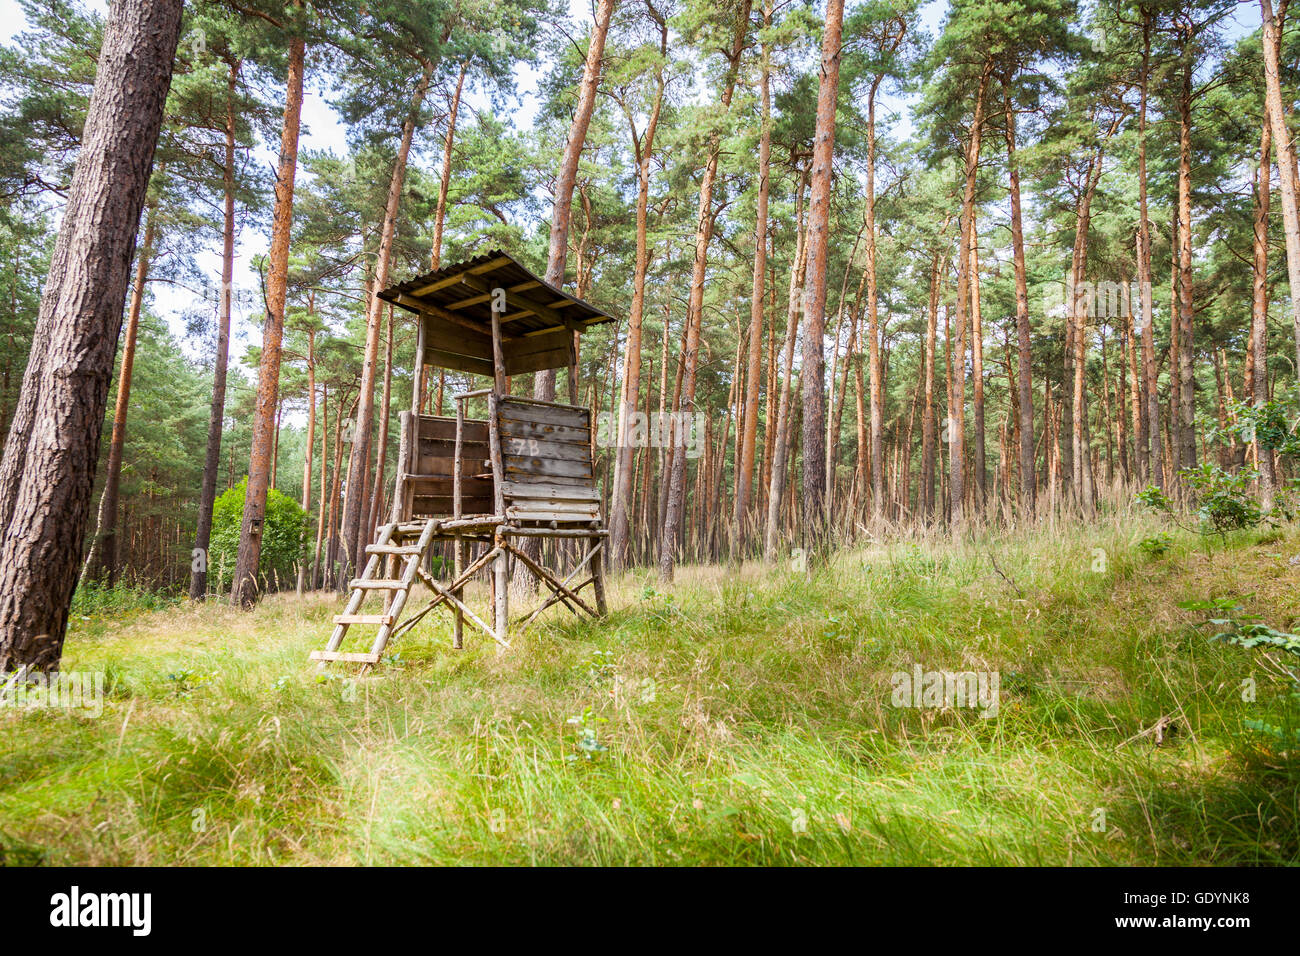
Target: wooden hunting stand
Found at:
524, 472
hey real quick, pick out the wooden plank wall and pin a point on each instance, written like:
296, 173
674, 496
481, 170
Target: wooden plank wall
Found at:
434, 461
546, 455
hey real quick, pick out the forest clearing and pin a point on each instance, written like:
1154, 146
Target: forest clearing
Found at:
650, 432
735, 719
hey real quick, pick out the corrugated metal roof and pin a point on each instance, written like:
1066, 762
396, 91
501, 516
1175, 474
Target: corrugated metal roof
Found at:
462, 293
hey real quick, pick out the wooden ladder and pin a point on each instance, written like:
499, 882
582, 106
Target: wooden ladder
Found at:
399, 588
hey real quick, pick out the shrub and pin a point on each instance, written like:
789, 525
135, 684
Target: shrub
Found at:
1225, 501
282, 537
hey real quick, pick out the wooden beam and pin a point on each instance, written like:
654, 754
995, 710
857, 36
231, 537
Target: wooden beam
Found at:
453, 279
438, 312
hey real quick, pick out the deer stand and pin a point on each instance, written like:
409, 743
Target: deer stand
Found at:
485, 486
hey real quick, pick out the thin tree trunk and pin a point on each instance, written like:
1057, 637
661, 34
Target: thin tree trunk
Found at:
1286, 157
1256, 386
621, 505
217, 410
311, 440
956, 408
781, 443
813, 370
104, 563
1024, 352
440, 217
243, 591
354, 512
381, 453
749, 426
695, 304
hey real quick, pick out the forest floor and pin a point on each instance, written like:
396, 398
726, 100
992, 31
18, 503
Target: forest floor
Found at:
739, 716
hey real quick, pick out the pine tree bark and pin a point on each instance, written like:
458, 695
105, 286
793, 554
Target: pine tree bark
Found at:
643, 146
355, 513
217, 409
957, 404
781, 443
244, 588
675, 511
1153, 453
103, 563
444, 182
47, 472
1286, 157
565, 183
1024, 352
1185, 373
813, 371
1256, 385
749, 425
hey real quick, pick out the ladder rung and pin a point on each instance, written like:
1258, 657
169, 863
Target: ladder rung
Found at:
393, 549
378, 584
348, 656
363, 619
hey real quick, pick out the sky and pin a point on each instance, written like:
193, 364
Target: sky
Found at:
323, 130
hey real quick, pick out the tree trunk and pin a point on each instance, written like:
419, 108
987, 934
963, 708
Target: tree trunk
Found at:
1024, 353
565, 182
243, 591
444, 182
381, 452
1286, 157
104, 563
354, 509
1256, 385
695, 306
217, 410
929, 421
1186, 380
1155, 469
311, 440
781, 443
749, 425
47, 472
621, 504
957, 404
813, 371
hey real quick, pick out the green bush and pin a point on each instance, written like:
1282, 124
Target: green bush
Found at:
1224, 498
282, 537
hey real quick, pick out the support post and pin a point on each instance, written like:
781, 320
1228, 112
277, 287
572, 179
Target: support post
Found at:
598, 573
500, 574
458, 627
417, 391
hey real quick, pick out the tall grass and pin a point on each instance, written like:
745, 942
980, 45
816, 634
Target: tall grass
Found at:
743, 715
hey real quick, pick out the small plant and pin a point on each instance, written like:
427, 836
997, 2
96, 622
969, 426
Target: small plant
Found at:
1157, 545
598, 668
1234, 626
589, 744
186, 680
1155, 499
1226, 503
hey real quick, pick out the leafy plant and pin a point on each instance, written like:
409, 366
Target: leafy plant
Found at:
282, 536
588, 742
1156, 545
1225, 501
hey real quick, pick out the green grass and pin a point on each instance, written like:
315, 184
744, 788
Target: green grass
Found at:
740, 716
